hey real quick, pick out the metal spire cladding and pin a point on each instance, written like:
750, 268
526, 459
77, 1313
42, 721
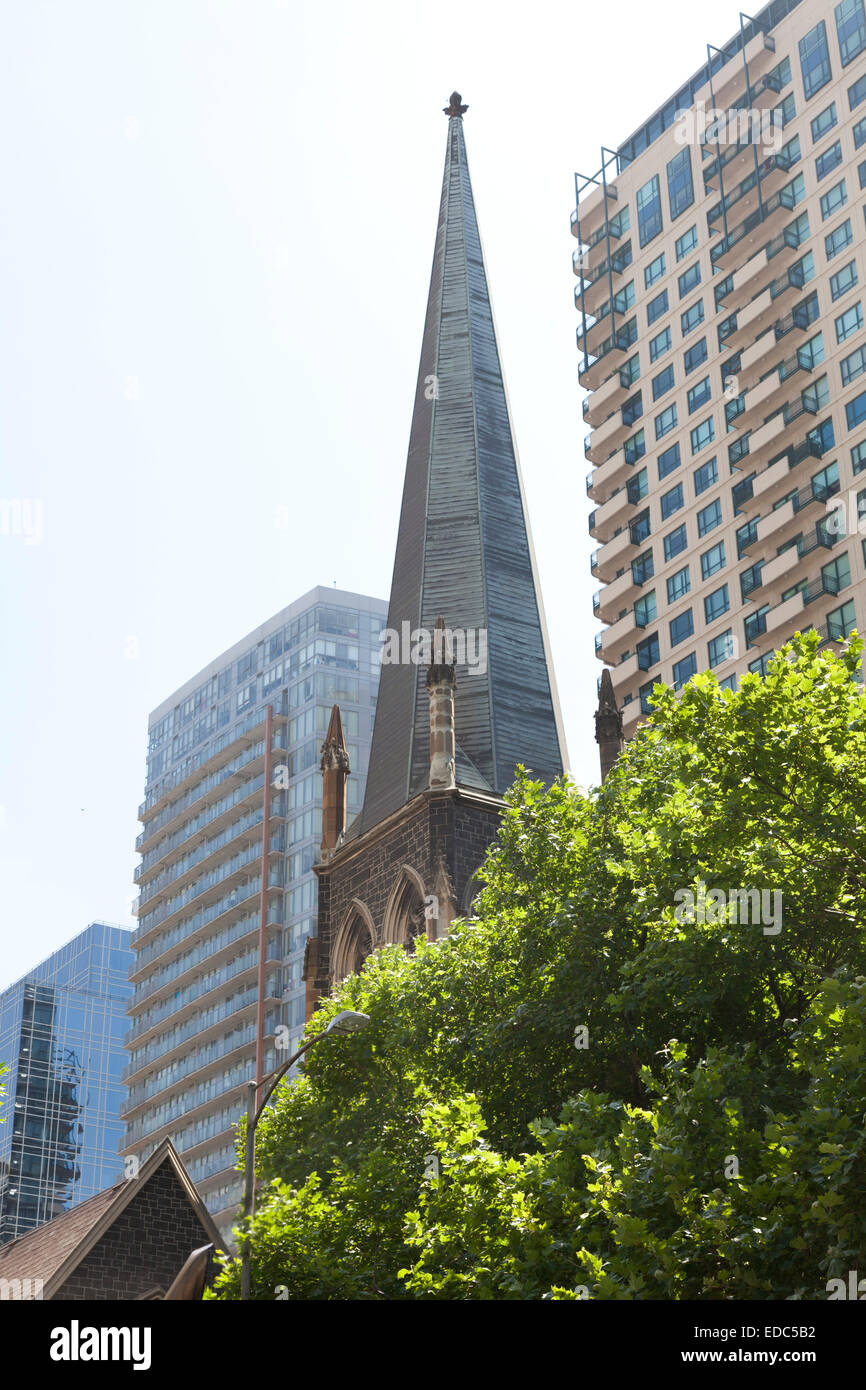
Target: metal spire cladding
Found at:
463, 547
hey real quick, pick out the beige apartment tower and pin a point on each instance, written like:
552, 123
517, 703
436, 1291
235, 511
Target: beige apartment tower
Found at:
720, 285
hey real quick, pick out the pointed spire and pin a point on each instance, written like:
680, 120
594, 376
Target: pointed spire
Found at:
463, 546
335, 769
608, 725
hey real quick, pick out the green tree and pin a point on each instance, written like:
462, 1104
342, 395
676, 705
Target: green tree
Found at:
602, 1166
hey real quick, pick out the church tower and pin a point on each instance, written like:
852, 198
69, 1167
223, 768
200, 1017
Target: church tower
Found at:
467, 689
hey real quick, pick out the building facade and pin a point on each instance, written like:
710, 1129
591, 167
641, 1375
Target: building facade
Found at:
61, 1038
720, 282
231, 829
467, 691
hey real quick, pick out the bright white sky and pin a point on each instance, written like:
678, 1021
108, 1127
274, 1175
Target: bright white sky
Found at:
216, 232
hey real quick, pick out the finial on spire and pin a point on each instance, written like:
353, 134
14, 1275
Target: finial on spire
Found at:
456, 108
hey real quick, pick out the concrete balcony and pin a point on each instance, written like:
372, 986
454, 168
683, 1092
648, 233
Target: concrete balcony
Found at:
743, 241
626, 672
601, 443
780, 566
610, 354
767, 440
614, 555
615, 595
610, 517
772, 482
728, 85
587, 220
615, 639
610, 474
773, 526
602, 403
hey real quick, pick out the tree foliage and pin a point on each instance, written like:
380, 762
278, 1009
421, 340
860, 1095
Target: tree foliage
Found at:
606, 1170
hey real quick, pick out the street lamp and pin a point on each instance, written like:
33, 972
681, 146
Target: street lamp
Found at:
347, 1021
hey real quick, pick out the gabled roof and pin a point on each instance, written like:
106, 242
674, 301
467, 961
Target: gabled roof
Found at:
52, 1252
463, 547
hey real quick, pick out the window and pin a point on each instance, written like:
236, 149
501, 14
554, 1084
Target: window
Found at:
681, 627
720, 649
645, 692
629, 372
692, 317
668, 460
713, 560
684, 670
853, 365
811, 353
648, 652
861, 172
695, 355
716, 603
649, 210
666, 421
750, 579
850, 30
828, 160
645, 609
681, 192
632, 409
785, 111
859, 132
841, 621
710, 517
642, 568
705, 476
745, 535
689, 279
657, 307
639, 528
814, 60
698, 395
838, 239
671, 501
634, 447
843, 281
679, 585
824, 122
675, 542
702, 435
654, 271
855, 411
660, 344
833, 199
686, 243
858, 457
637, 487
663, 382
836, 574
857, 92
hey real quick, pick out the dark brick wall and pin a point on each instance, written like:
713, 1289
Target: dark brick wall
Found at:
442, 824
144, 1248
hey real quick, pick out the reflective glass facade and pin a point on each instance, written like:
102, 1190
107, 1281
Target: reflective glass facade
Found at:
192, 1036
61, 1038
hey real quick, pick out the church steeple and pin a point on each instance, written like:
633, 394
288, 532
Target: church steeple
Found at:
463, 546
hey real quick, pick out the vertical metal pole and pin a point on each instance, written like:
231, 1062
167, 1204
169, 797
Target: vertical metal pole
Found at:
249, 1186
263, 901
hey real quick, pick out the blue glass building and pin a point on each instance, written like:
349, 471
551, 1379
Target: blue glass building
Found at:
61, 1040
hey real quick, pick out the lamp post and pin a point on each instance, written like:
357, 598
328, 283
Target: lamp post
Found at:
345, 1022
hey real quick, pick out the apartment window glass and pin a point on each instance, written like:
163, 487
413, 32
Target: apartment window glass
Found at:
643, 568
675, 542
689, 279
713, 560
720, 648
841, 621
645, 609
698, 395
716, 603
695, 355
640, 528
710, 517
835, 198
702, 435
681, 191
681, 627
684, 670
858, 457
634, 447
649, 211
814, 60
668, 460
660, 344
855, 411
853, 365
750, 580
671, 501
663, 382
823, 122
629, 372
678, 585
705, 476
648, 652
645, 694
666, 421
836, 574
861, 173
657, 307
857, 92
654, 271
692, 317
686, 243
838, 239
745, 535
786, 111
850, 30
843, 281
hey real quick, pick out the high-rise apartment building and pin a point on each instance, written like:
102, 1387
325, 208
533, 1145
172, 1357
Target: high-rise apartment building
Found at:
720, 285
232, 826
61, 1040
